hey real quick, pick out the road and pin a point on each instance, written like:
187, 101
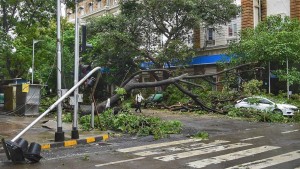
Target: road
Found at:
246, 145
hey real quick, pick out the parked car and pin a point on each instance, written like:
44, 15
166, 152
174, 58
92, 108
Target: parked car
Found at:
261, 103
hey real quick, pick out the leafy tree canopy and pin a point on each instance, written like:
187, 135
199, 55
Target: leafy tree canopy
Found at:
274, 40
124, 41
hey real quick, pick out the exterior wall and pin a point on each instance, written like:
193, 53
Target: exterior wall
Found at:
289, 8
295, 9
278, 7
221, 38
196, 36
91, 8
221, 34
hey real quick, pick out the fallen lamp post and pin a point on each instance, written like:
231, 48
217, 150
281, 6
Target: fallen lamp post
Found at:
17, 149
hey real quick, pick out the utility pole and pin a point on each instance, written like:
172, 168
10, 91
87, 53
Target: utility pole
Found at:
269, 78
287, 80
75, 134
59, 134
32, 67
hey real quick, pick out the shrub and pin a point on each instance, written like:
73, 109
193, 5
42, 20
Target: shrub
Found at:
262, 116
202, 135
252, 87
133, 124
67, 117
173, 95
271, 117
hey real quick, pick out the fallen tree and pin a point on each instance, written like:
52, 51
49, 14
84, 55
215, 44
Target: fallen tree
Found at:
130, 83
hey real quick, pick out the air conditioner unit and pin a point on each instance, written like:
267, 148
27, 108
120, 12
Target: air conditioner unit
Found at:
230, 40
210, 42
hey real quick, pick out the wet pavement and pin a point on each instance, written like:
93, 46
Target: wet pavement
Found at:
284, 137
10, 126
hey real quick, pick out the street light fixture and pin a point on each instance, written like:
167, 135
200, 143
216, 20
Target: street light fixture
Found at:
33, 42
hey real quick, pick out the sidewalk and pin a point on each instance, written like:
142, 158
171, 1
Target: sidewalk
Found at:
10, 126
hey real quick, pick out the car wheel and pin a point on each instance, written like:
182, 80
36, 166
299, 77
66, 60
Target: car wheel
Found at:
277, 111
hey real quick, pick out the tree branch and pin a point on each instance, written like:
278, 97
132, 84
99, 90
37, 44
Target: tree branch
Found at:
213, 74
194, 97
187, 82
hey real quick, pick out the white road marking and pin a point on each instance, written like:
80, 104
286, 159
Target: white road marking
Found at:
132, 149
285, 132
215, 142
118, 162
148, 153
232, 156
69, 156
269, 161
297, 168
252, 138
173, 149
200, 152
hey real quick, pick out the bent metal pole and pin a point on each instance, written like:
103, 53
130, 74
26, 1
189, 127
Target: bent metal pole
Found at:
56, 103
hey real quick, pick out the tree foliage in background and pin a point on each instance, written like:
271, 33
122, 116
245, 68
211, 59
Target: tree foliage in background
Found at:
274, 40
124, 41
20, 20
23, 21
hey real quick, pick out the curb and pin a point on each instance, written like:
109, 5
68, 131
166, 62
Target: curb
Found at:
71, 143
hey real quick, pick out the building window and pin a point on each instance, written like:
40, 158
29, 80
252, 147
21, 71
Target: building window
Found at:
210, 34
69, 14
81, 10
115, 2
232, 29
99, 4
91, 7
257, 12
189, 39
210, 37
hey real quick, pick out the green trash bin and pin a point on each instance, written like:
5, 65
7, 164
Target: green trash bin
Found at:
1, 98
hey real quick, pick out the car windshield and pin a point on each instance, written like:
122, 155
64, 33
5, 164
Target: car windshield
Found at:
256, 100
265, 101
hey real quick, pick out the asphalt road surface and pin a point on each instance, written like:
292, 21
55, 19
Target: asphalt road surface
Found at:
232, 144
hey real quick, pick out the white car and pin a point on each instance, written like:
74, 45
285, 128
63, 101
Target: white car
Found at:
261, 103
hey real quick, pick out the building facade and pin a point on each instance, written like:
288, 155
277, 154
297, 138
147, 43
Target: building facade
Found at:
93, 8
257, 10
213, 43
210, 43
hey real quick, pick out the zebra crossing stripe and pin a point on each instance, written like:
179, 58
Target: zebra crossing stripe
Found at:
132, 149
286, 132
201, 151
215, 142
174, 149
232, 156
268, 162
253, 138
118, 162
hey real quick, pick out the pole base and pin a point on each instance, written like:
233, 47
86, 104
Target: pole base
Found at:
74, 134
59, 136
